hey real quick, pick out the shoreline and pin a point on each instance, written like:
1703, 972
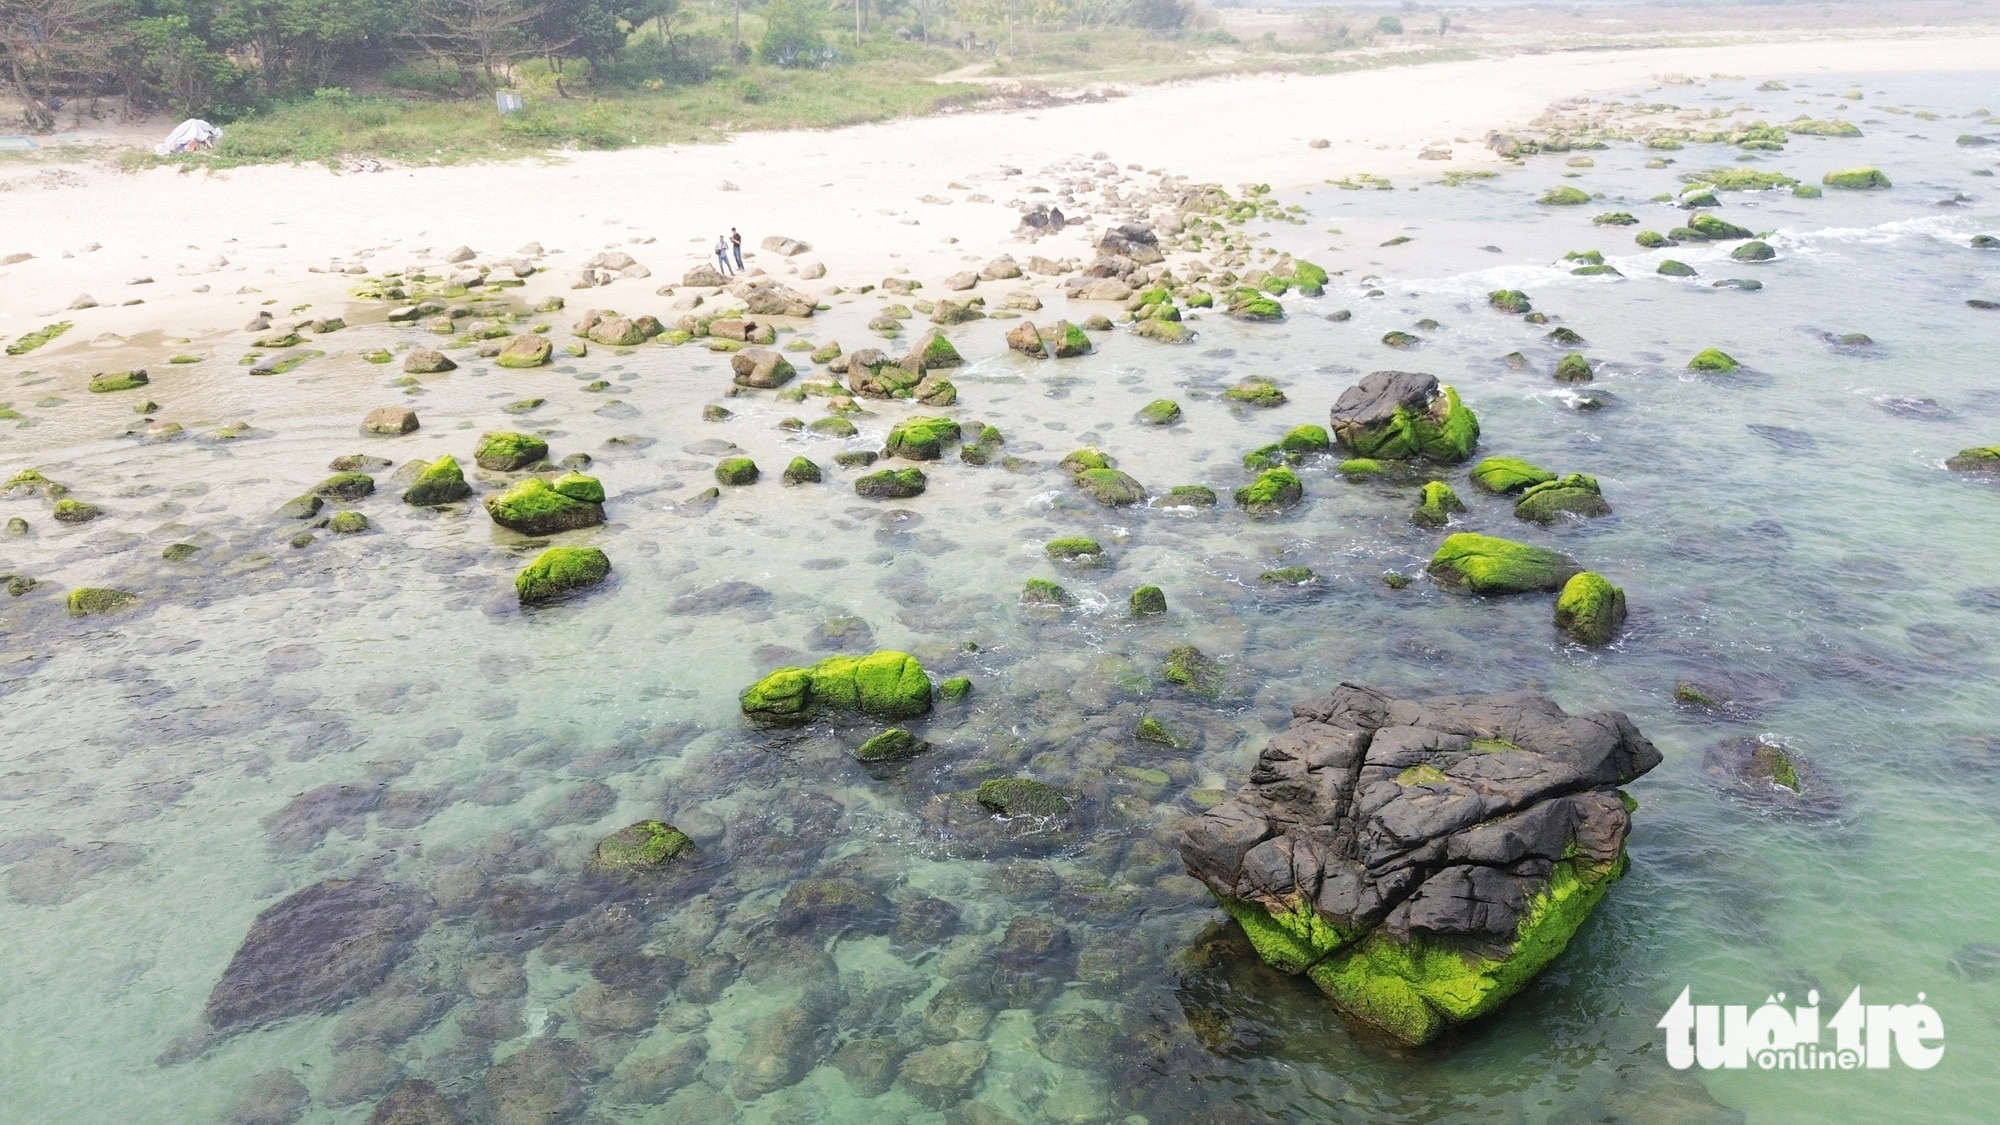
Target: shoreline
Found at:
872, 200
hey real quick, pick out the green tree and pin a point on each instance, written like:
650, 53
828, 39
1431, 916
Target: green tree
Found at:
793, 33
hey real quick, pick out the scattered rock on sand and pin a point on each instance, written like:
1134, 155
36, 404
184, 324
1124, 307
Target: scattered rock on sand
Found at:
390, 420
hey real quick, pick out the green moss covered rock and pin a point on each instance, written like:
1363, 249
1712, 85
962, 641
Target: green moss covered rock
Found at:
1148, 600
76, 511
118, 381
882, 685
1073, 548
1574, 496
1042, 592
1510, 301
1651, 239
525, 351
802, 471
1358, 469
736, 471
1083, 460
1485, 564
533, 507
1573, 368
1189, 667
1754, 251
1508, 475
1672, 268
1274, 490
649, 845
440, 482
1256, 390
345, 486
955, 688
347, 523
890, 745
1022, 796
1111, 488
1289, 576
1403, 415
1160, 412
1564, 196
1980, 459
1436, 505
1590, 610
559, 571
892, 484
506, 451
1856, 179
1716, 229
93, 601
1252, 304
921, 439
1304, 441
1713, 360
1189, 496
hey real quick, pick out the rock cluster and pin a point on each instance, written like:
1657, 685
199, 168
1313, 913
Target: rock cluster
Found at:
1421, 860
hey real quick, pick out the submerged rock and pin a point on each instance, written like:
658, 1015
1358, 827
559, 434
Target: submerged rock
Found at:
883, 685
1769, 773
1399, 415
1421, 860
417, 1102
649, 845
314, 951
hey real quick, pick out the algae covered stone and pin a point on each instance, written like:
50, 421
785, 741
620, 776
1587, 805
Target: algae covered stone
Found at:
1487, 564
1073, 548
118, 381
1404, 415
802, 471
1981, 459
1160, 412
736, 471
1713, 360
648, 845
1272, 491
1256, 390
1754, 251
506, 451
882, 685
1856, 179
890, 745
68, 510
1436, 505
892, 484
1042, 592
1148, 600
1111, 488
1421, 888
1671, 268
559, 571
1573, 368
1305, 441
440, 482
1575, 496
1510, 301
921, 439
345, 486
532, 507
347, 523
1564, 196
1590, 610
1508, 475
92, 601
1022, 796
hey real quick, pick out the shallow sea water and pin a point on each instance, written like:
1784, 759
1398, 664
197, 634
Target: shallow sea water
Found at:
1831, 566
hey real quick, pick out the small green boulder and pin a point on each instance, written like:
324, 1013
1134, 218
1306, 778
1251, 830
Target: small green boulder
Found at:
1304, 441
1672, 268
1508, 475
118, 381
1564, 196
1856, 179
1713, 360
736, 471
1256, 390
347, 523
1042, 592
1485, 564
1160, 412
1111, 488
1590, 609
1510, 301
344, 486
1437, 505
649, 845
440, 482
93, 601
1074, 548
525, 351
921, 439
802, 471
505, 452
532, 507
1148, 600
1021, 796
1272, 491
890, 745
1754, 251
559, 571
892, 484
1573, 368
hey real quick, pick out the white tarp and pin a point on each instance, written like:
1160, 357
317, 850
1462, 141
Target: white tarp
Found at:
192, 135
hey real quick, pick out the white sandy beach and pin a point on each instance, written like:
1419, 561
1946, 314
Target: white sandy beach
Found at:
851, 193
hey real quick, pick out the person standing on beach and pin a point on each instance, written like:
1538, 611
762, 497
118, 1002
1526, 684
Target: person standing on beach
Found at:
722, 255
736, 247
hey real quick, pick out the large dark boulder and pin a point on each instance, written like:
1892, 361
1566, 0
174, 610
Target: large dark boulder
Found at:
315, 951
1404, 415
1421, 860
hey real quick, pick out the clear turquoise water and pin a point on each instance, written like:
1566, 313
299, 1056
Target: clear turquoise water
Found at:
1834, 574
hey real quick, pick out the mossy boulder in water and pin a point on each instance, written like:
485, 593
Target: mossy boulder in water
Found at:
118, 381
1022, 796
532, 507
1111, 488
1074, 548
525, 351
1716, 230
1575, 496
1475, 866
1672, 268
1713, 360
736, 471
68, 510
1590, 610
1573, 368
1274, 490
1437, 505
1089, 457
1256, 390
1404, 415
1984, 459
559, 571
1508, 475
93, 601
649, 845
1305, 441
1148, 600
802, 471
1856, 179
1510, 301
347, 523
921, 439
505, 452
1160, 412
881, 685
1486, 564
892, 484
1251, 304
1042, 592
345, 486
440, 482
423, 361
1754, 251
1189, 667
